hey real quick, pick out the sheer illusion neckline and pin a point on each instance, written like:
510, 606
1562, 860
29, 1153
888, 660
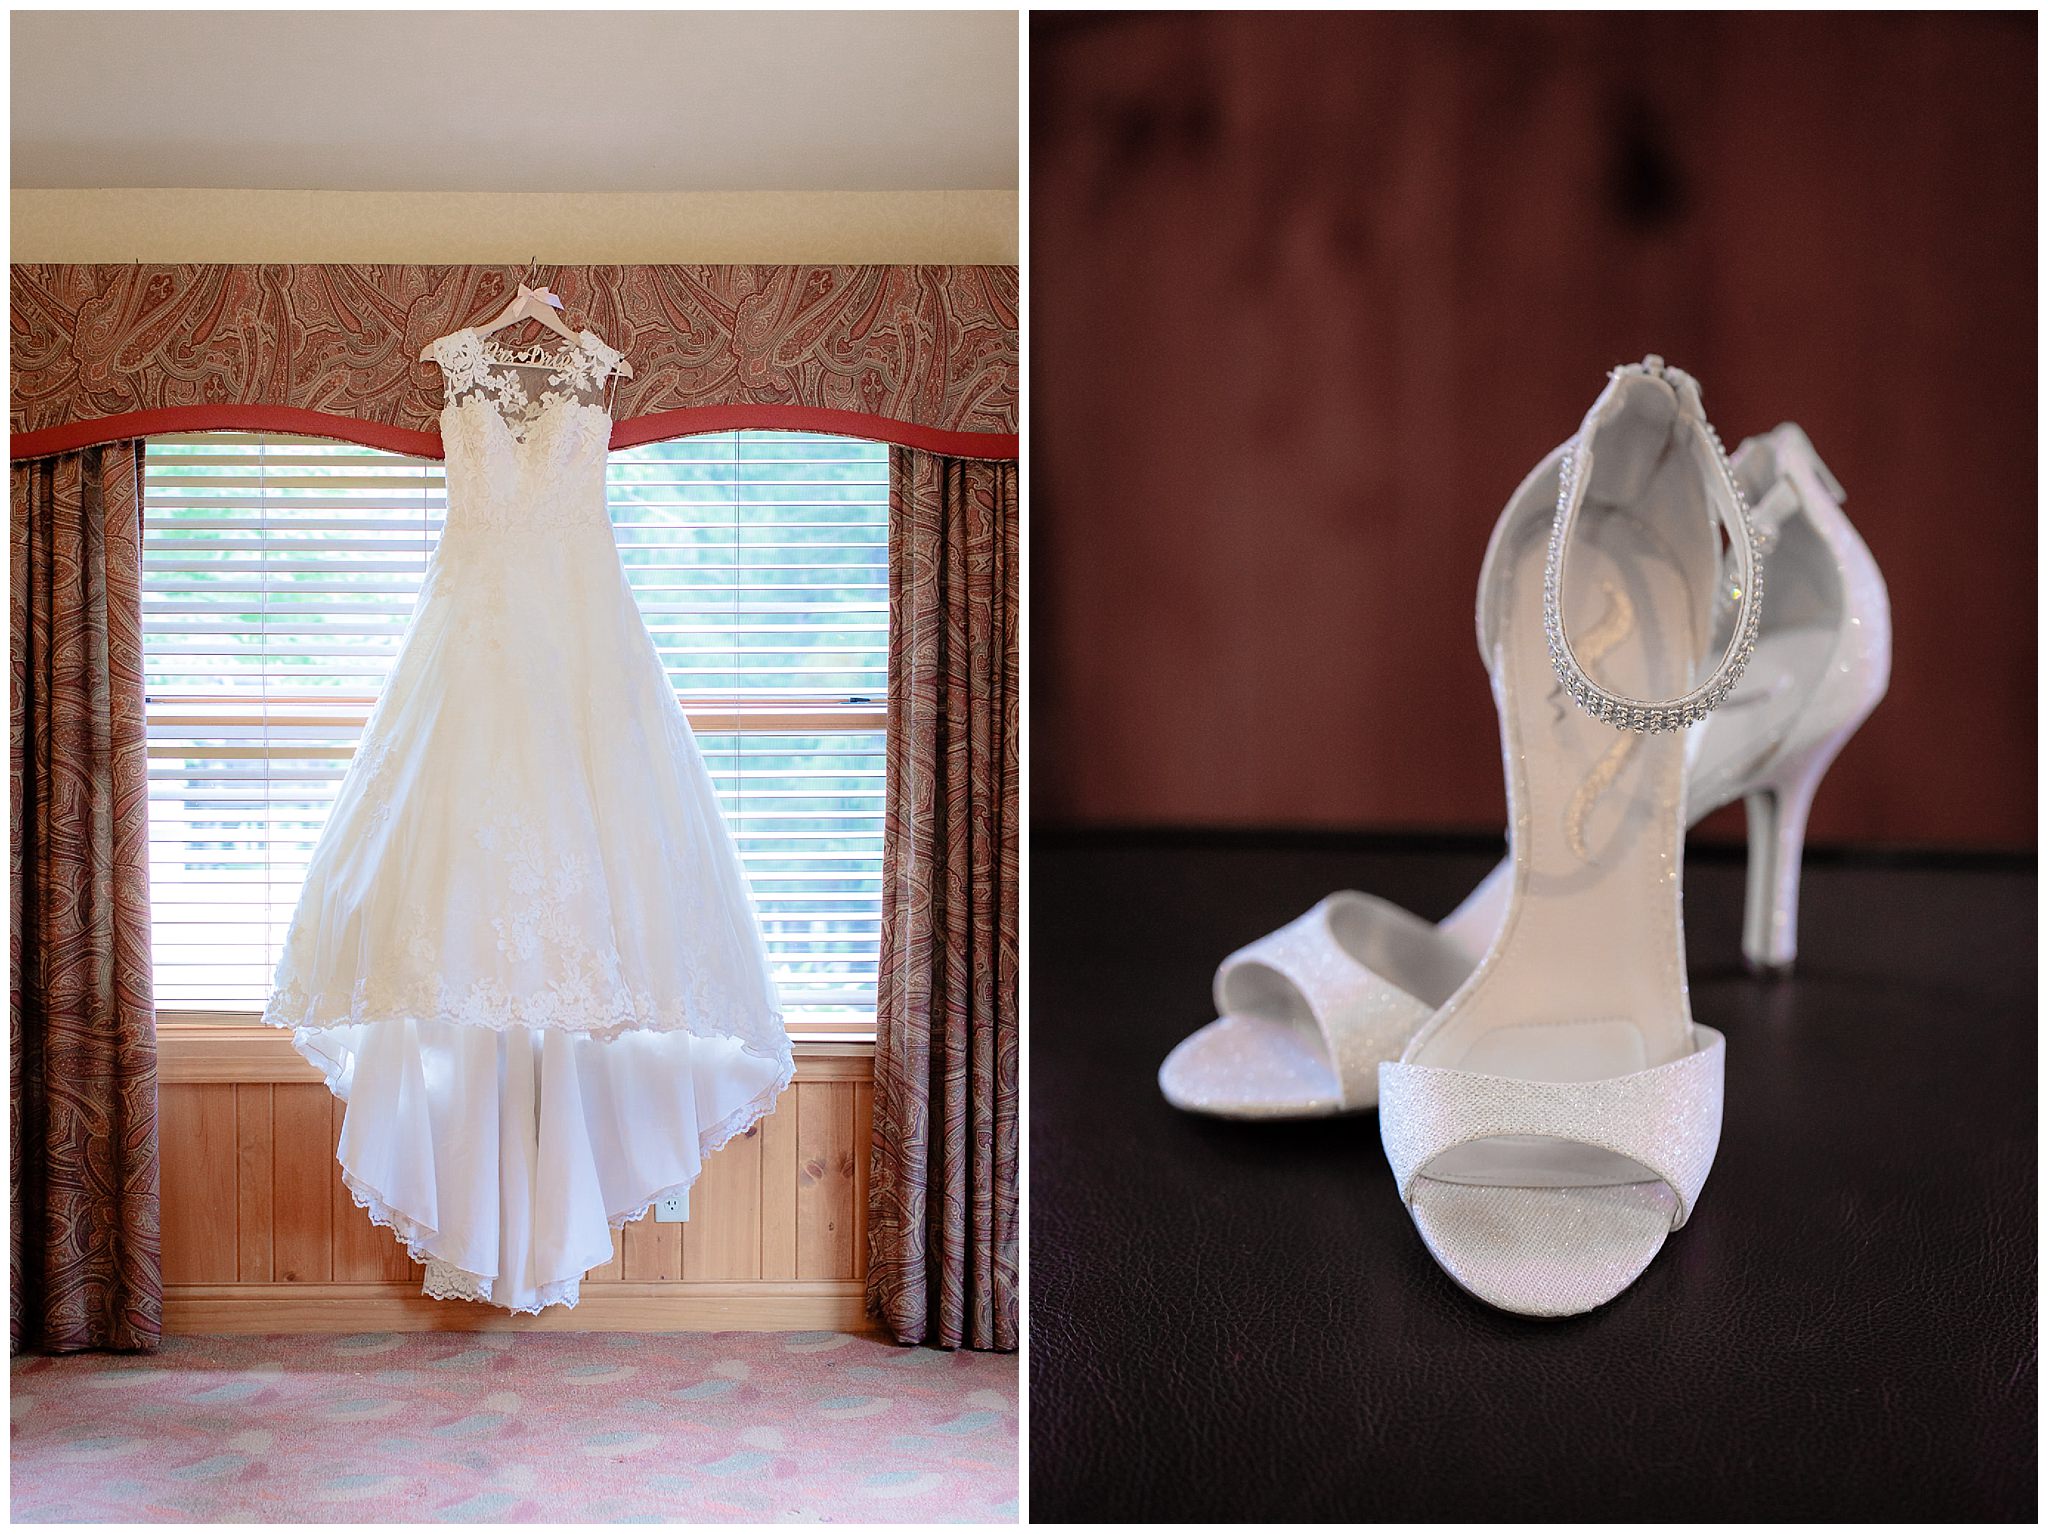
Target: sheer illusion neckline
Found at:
500, 380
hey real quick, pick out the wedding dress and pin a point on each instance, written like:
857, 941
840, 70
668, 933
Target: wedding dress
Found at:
526, 955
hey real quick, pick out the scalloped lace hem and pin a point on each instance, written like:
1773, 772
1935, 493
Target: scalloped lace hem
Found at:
611, 1023
445, 1280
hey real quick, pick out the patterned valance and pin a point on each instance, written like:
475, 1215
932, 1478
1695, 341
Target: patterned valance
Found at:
925, 356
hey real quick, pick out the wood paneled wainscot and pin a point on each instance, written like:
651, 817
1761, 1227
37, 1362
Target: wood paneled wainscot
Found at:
259, 1235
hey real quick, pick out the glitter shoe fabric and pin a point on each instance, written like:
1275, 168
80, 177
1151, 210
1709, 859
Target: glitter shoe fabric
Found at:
1666, 1119
1544, 1252
1561, 1250
1308, 1013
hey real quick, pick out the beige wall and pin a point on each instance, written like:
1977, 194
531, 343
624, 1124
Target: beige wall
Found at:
178, 224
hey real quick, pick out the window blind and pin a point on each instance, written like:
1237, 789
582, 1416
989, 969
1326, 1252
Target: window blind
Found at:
279, 573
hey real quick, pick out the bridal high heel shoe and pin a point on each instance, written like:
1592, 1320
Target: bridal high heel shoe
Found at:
1306, 1013
1555, 1119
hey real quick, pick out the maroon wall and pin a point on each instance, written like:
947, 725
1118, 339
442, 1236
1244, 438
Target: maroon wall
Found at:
1311, 293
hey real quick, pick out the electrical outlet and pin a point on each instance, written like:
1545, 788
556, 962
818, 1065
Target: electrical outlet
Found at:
673, 1209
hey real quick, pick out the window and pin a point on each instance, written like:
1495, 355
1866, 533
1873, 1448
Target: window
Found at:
278, 575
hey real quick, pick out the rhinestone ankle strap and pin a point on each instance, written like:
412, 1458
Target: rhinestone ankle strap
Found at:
1745, 585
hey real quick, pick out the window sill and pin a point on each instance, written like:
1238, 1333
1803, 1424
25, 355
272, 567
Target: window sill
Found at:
237, 1051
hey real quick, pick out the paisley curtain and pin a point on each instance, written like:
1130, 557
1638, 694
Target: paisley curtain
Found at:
942, 1216
83, 1056
924, 355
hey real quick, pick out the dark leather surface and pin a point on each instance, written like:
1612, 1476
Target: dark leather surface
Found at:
1239, 1322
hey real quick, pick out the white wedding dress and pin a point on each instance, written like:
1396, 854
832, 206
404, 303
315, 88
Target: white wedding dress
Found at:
526, 955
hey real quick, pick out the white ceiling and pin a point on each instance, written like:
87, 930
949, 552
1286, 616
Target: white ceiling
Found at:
517, 101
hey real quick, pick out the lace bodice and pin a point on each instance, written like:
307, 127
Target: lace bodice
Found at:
525, 430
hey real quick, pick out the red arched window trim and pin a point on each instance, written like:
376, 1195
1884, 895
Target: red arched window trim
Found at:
661, 426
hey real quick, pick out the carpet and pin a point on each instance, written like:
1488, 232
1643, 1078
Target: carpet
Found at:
517, 1427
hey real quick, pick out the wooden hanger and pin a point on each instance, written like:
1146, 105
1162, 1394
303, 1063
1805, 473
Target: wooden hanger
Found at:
532, 303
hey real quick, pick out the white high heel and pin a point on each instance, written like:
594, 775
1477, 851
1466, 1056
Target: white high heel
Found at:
1828, 630
1822, 663
1297, 1017
1556, 1119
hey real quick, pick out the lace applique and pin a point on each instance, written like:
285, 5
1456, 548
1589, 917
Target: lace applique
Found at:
461, 356
575, 1002
379, 782
468, 595
542, 471
525, 419
543, 909
473, 364
588, 367
525, 432
551, 918
420, 946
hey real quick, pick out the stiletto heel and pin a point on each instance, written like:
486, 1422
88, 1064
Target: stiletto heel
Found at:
1826, 647
1777, 833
